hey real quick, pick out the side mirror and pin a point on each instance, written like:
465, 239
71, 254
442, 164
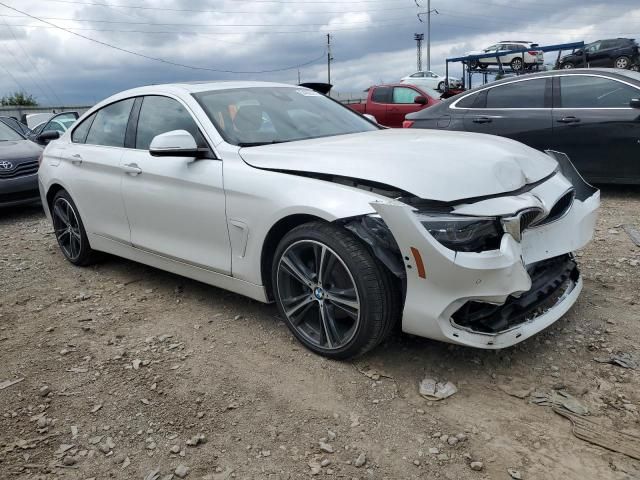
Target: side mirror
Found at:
420, 100
370, 117
46, 136
634, 103
177, 143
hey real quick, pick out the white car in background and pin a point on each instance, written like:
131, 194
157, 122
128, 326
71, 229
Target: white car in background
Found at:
278, 193
426, 79
532, 56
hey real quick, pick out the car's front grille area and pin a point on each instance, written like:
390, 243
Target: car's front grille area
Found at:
560, 208
528, 218
21, 170
550, 280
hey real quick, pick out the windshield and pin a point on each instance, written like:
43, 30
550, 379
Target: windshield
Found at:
263, 115
7, 133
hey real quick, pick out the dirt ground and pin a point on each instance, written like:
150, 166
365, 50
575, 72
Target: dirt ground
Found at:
131, 372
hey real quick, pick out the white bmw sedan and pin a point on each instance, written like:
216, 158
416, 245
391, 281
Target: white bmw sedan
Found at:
283, 195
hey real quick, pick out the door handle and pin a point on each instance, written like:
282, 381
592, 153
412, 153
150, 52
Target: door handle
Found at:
482, 120
76, 159
132, 169
568, 120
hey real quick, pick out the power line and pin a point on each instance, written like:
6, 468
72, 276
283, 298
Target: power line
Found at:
161, 60
234, 25
35, 68
168, 9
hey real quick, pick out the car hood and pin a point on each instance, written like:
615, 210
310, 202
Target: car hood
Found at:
16, 150
430, 164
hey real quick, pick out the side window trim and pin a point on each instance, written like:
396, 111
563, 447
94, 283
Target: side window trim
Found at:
132, 124
485, 91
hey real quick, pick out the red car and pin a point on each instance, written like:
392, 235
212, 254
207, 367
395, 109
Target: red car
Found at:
390, 103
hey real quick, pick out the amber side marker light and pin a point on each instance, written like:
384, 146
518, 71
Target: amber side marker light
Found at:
419, 265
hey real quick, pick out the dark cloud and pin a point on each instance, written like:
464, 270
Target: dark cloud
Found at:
372, 41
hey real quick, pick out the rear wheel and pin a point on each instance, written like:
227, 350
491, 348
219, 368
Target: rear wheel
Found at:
483, 66
69, 230
335, 297
622, 62
517, 64
441, 87
567, 65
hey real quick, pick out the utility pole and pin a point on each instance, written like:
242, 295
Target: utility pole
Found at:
419, 37
329, 58
428, 14
429, 35
299, 82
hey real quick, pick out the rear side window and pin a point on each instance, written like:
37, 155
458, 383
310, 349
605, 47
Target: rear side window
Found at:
79, 135
160, 115
577, 91
527, 94
110, 124
476, 100
381, 95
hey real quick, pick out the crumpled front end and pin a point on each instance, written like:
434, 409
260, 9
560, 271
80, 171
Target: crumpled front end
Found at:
496, 296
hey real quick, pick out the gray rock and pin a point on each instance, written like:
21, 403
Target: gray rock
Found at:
69, 460
477, 466
175, 449
44, 390
515, 474
361, 460
325, 447
181, 471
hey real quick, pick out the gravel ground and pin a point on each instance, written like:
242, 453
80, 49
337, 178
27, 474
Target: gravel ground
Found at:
125, 371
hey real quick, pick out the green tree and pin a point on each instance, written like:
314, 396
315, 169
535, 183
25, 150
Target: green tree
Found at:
19, 98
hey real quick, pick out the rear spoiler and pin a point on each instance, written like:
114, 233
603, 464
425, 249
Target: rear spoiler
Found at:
323, 88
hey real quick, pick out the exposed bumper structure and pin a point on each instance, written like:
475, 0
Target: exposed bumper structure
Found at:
498, 298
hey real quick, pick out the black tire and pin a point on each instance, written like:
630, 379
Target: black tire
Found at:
374, 289
441, 87
517, 64
622, 62
77, 250
473, 64
567, 66
483, 66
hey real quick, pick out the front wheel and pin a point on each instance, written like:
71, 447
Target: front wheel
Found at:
69, 230
441, 87
335, 297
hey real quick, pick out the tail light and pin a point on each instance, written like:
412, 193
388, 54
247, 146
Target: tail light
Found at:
408, 124
534, 52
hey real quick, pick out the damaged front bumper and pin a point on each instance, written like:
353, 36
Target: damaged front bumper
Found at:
497, 298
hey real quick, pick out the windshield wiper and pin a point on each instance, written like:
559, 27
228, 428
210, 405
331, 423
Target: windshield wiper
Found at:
258, 144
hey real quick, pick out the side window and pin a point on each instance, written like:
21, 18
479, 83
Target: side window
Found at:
404, 95
80, 133
381, 95
594, 47
418, 75
476, 100
160, 115
110, 124
578, 91
527, 94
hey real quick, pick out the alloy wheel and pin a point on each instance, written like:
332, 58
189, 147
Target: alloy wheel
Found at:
67, 228
318, 294
516, 64
567, 66
622, 63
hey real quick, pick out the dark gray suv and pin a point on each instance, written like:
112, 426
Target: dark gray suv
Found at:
18, 168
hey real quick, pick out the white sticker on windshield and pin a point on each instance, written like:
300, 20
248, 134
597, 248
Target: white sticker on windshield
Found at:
308, 93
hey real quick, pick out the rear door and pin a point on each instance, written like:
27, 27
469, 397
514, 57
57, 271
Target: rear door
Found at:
595, 126
402, 104
93, 158
520, 110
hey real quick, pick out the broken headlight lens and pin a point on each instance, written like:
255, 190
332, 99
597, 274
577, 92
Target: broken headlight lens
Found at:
463, 234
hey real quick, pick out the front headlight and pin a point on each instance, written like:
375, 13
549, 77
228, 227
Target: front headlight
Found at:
463, 234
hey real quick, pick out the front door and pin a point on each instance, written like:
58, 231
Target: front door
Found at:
175, 205
520, 110
595, 125
402, 104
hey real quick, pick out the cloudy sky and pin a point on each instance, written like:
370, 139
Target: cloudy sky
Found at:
372, 40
